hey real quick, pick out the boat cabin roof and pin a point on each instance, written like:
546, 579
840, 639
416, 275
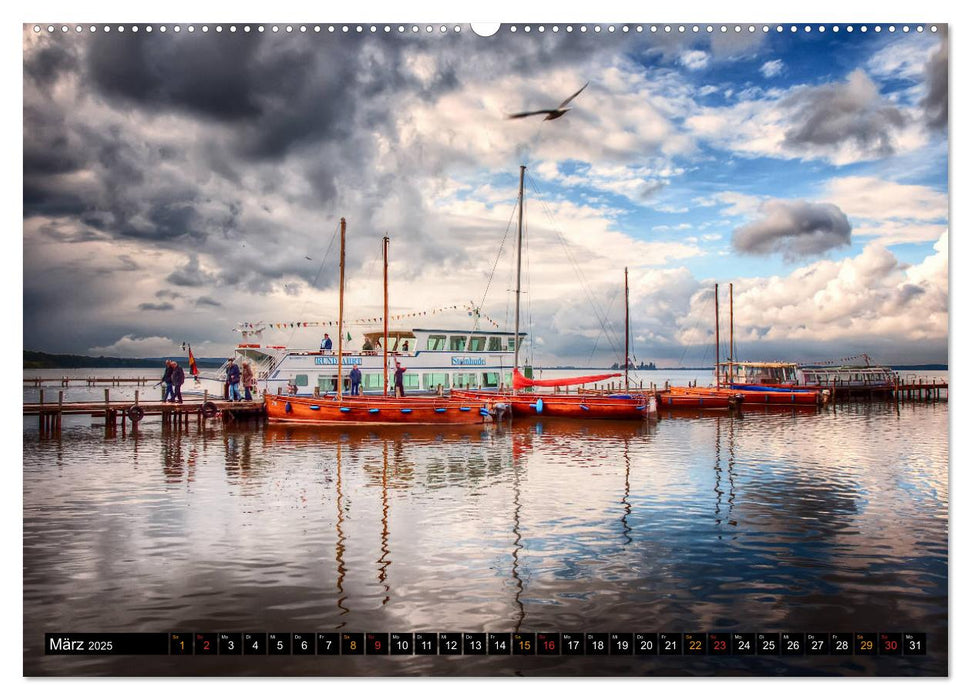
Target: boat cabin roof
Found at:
761, 365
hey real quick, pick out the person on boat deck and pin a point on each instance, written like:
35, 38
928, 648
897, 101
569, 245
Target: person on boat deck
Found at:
367, 347
355, 381
232, 379
249, 381
399, 379
404, 348
326, 344
178, 379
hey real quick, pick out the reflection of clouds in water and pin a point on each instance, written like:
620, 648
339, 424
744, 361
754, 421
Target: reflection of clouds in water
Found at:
779, 520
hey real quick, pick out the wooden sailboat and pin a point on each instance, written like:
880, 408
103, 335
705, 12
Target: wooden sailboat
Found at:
342, 409
616, 406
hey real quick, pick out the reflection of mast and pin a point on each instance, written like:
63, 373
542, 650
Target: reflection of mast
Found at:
517, 544
731, 468
384, 561
341, 570
626, 499
718, 471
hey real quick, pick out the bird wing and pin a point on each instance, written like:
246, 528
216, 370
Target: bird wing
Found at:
570, 98
520, 115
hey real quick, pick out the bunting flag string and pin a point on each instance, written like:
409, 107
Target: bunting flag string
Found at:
256, 329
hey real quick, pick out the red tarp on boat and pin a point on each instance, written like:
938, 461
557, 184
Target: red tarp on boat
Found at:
520, 382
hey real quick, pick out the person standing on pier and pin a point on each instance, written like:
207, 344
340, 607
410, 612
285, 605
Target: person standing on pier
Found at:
167, 382
355, 381
249, 381
178, 379
232, 380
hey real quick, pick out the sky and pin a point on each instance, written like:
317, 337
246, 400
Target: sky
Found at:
178, 184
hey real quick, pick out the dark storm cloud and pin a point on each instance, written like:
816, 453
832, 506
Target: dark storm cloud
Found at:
164, 306
190, 275
796, 229
45, 65
206, 301
935, 103
835, 114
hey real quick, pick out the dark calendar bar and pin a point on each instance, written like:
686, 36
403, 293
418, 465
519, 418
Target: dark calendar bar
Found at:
535, 644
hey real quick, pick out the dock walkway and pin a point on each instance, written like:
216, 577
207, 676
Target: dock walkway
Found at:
124, 413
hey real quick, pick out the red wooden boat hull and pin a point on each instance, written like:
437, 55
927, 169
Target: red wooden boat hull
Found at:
586, 406
697, 399
418, 410
778, 398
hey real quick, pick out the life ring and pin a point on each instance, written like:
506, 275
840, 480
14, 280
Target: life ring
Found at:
210, 410
135, 413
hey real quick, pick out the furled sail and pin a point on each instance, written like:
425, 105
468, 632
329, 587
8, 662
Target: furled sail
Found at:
520, 382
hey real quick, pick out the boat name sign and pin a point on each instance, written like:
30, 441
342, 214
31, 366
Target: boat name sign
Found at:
468, 361
332, 360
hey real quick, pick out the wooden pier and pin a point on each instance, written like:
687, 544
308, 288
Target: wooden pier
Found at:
128, 414
89, 381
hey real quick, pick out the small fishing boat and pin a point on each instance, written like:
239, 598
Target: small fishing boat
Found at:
707, 398
776, 382
377, 410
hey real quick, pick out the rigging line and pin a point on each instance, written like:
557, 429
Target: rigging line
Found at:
502, 244
603, 332
313, 283
570, 257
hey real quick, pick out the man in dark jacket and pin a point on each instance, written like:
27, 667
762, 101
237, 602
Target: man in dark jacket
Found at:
399, 380
167, 382
232, 379
355, 381
178, 379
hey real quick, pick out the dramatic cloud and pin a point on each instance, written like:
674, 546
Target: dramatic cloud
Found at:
176, 184
796, 229
935, 104
854, 111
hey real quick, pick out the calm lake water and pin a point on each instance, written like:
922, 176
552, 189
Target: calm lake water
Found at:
820, 521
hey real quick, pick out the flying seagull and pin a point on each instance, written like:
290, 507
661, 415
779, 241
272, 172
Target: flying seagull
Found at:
551, 113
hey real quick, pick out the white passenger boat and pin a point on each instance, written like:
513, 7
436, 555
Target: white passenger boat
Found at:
435, 361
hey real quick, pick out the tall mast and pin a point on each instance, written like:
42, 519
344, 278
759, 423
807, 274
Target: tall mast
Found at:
384, 343
519, 264
626, 332
731, 333
718, 376
340, 321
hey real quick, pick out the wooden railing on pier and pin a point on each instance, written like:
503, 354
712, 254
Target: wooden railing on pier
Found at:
90, 381
129, 413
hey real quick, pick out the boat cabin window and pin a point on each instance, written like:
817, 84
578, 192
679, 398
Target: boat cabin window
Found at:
511, 344
301, 380
372, 381
464, 380
495, 343
490, 379
430, 381
436, 342
411, 381
477, 343
456, 343
326, 382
